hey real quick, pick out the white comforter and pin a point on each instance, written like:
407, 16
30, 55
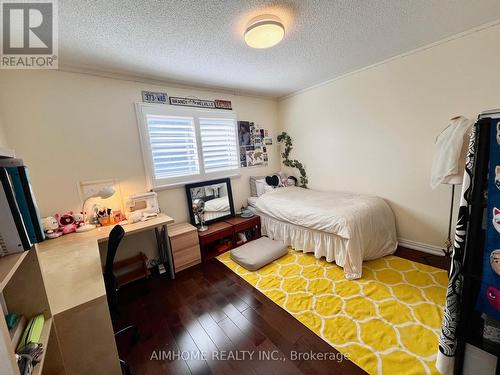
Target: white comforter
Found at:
366, 223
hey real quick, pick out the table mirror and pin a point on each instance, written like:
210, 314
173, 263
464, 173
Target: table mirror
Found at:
215, 199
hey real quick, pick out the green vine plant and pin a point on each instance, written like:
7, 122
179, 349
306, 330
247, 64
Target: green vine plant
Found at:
287, 140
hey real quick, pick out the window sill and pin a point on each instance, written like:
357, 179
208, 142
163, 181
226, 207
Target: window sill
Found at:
177, 185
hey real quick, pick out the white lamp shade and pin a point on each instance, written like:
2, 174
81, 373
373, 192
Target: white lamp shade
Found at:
105, 192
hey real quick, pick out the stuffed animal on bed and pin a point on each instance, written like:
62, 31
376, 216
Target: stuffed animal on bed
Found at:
273, 180
291, 181
281, 180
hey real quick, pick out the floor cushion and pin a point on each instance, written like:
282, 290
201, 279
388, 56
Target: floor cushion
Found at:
256, 254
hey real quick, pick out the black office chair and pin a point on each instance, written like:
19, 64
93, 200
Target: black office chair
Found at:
115, 237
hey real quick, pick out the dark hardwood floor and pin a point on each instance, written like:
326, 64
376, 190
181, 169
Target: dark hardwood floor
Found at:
208, 309
425, 258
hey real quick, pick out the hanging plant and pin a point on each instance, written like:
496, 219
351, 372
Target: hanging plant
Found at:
287, 140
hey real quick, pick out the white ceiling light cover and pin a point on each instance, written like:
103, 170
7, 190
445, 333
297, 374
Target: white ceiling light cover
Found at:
264, 32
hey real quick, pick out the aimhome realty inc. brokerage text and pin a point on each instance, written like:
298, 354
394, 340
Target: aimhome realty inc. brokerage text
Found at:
245, 355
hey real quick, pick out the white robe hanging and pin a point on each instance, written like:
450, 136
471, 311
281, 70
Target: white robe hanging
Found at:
449, 153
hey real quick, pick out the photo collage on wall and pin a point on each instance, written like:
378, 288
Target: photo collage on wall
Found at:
253, 144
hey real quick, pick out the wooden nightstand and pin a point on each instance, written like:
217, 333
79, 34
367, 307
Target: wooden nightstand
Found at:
218, 239
183, 239
223, 235
248, 225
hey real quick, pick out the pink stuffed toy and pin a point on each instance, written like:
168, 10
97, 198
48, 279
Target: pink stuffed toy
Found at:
67, 222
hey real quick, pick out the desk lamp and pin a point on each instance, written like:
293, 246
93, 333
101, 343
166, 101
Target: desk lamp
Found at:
104, 193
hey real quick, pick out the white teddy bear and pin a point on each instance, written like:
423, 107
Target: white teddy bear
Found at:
50, 227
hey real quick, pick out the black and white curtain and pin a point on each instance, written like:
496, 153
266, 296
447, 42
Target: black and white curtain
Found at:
448, 341
467, 237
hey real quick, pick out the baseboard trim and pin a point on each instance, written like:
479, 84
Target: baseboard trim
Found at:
420, 246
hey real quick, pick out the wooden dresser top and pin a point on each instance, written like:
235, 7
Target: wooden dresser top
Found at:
180, 229
215, 227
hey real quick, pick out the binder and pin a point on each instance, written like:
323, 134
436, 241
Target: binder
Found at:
26, 201
13, 235
33, 332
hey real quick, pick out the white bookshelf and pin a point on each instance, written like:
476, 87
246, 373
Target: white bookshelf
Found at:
23, 292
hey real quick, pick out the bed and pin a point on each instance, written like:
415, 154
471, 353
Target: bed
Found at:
342, 227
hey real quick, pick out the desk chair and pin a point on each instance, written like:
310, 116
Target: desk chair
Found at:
115, 237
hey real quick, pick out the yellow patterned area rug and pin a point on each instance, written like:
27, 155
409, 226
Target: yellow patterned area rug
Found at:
387, 322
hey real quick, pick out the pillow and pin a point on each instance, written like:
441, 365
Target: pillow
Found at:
256, 254
253, 187
268, 188
263, 187
273, 180
260, 186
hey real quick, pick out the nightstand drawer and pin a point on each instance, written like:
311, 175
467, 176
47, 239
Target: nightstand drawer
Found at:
244, 226
186, 257
241, 224
184, 241
209, 237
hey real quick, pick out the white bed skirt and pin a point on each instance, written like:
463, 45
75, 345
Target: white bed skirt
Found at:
322, 244
343, 251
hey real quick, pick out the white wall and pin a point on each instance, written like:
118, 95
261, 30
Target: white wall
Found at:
370, 132
474, 356
373, 132
3, 138
72, 127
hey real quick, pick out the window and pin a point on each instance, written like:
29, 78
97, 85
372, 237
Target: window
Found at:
182, 145
218, 144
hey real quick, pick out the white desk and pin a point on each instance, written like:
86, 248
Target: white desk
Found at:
72, 274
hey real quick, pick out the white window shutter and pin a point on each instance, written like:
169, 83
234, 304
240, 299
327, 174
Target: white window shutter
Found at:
219, 145
173, 146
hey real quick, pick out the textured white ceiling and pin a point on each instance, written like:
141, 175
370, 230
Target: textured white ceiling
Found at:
201, 42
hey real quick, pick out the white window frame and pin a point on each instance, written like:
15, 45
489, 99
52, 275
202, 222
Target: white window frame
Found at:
144, 109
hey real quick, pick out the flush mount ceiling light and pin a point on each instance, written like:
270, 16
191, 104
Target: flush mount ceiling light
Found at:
264, 31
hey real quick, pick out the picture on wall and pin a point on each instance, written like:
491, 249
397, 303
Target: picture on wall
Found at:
243, 155
243, 158
255, 157
245, 131
252, 152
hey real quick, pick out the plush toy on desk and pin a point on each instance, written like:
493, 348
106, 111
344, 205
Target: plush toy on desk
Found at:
67, 222
78, 216
51, 227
